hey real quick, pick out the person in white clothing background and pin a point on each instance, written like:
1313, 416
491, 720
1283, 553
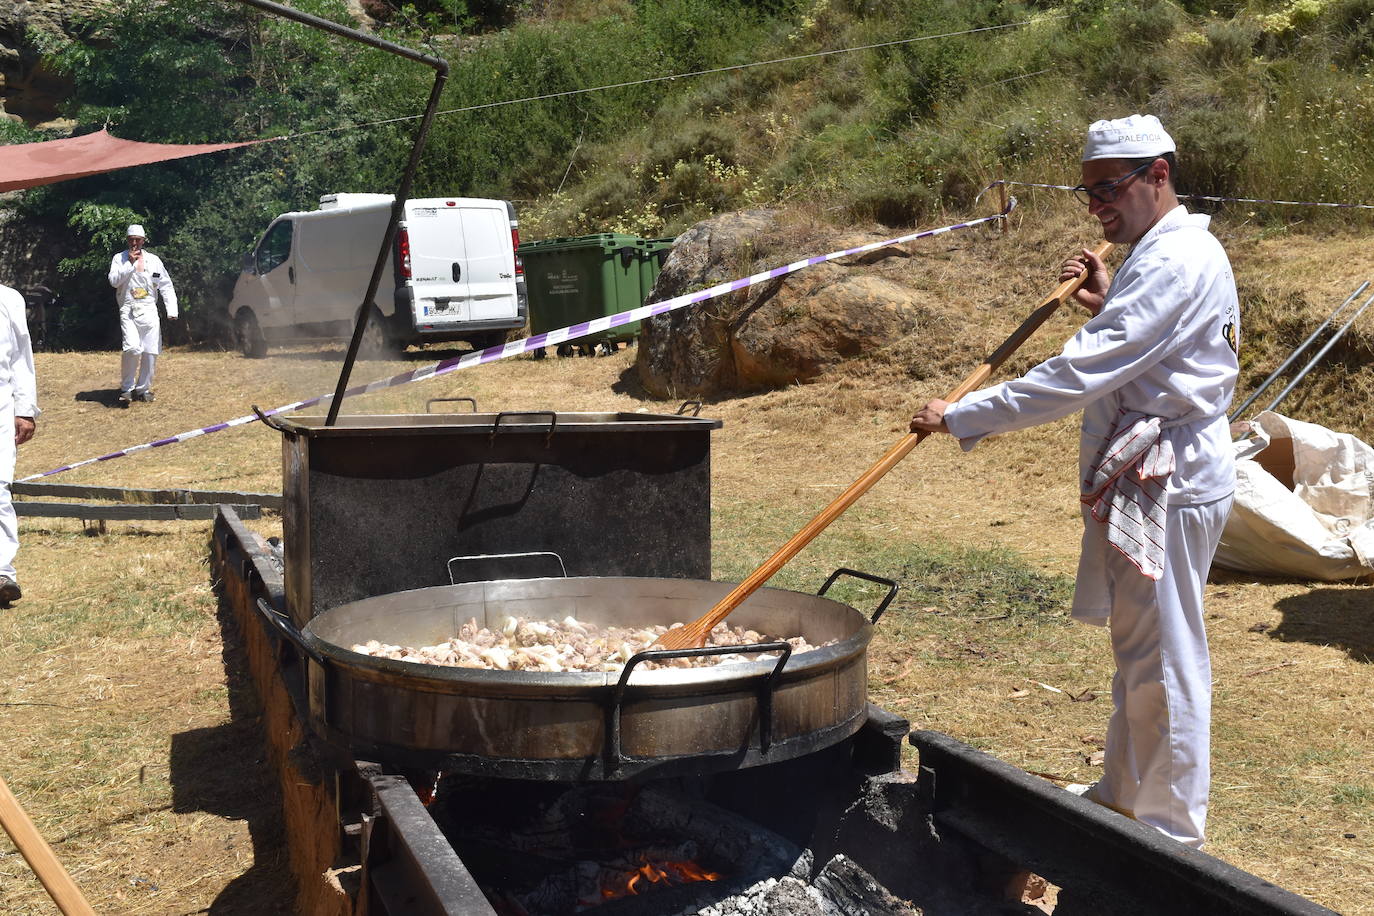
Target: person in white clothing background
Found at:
138, 277
1155, 364
18, 408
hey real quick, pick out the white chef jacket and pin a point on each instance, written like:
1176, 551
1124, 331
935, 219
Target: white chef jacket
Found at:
136, 291
18, 384
1163, 344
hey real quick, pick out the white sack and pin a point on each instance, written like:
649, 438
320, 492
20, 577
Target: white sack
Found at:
1323, 528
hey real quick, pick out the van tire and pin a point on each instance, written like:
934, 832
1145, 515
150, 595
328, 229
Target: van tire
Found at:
376, 343
248, 335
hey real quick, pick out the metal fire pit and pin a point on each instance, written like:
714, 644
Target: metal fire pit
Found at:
945, 835
586, 725
377, 504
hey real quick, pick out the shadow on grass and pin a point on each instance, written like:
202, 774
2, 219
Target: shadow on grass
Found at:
1330, 617
105, 397
630, 385
222, 770
336, 355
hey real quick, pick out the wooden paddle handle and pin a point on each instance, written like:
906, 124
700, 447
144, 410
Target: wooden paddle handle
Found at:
39, 855
899, 451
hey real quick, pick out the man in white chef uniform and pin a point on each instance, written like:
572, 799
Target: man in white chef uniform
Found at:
1153, 371
18, 409
138, 276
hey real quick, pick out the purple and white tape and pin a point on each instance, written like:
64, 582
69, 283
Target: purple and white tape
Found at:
536, 342
1220, 200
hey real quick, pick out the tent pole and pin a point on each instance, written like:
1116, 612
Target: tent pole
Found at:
1295, 354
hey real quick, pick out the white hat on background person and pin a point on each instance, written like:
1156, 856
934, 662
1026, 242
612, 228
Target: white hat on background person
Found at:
1132, 137
136, 231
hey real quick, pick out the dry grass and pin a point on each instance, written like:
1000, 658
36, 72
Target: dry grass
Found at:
131, 747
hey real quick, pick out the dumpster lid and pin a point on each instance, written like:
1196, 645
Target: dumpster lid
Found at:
607, 240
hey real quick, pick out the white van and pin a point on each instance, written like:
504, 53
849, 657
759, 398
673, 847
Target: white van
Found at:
452, 274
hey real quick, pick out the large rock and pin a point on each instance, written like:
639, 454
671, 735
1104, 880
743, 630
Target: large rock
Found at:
29, 90
778, 332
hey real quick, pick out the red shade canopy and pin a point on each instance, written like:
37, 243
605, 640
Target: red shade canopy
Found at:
28, 165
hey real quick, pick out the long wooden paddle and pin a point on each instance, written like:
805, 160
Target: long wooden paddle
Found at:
694, 634
39, 855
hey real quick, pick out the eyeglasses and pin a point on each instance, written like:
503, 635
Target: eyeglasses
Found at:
1106, 192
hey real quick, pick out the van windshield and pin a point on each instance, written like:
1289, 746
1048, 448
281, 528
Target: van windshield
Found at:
275, 247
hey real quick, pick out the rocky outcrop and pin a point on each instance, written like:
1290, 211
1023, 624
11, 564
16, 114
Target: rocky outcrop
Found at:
776, 333
30, 91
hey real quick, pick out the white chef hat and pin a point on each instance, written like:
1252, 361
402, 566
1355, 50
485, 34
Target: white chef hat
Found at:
1132, 137
137, 231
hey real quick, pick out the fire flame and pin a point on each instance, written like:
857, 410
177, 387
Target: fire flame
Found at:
649, 873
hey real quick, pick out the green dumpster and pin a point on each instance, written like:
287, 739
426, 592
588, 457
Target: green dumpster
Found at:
572, 280
653, 252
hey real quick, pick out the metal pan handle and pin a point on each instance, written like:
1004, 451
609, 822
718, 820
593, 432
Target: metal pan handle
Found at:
278, 425
562, 567
694, 406
288, 629
432, 401
892, 588
553, 420
615, 758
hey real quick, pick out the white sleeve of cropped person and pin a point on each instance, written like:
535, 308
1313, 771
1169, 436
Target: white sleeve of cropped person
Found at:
23, 379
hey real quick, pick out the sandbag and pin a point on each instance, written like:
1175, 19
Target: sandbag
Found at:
1304, 503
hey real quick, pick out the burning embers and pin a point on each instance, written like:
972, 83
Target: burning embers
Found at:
540, 849
613, 849
643, 878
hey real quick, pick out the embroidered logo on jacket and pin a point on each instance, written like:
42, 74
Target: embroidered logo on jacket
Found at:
1228, 332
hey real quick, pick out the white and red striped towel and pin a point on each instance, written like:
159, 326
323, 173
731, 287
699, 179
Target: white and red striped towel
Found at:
1126, 490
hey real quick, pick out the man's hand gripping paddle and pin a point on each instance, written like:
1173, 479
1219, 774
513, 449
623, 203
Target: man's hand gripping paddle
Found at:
693, 635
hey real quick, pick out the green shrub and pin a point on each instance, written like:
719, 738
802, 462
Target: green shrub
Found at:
1351, 29
1214, 142
1229, 44
1121, 53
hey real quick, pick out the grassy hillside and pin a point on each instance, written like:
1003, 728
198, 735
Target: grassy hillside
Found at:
1267, 100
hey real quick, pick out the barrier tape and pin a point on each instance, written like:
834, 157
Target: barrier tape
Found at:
535, 342
1220, 200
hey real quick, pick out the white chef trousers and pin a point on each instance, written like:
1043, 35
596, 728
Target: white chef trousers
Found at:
142, 335
9, 522
1157, 763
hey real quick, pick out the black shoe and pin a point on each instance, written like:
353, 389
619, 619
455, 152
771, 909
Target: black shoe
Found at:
144, 395
126, 398
9, 590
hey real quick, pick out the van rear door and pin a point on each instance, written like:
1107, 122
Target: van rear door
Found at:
491, 263
461, 262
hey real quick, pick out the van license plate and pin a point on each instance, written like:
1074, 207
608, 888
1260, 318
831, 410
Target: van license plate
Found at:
441, 305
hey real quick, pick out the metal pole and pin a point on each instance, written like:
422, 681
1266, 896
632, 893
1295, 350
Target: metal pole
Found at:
1320, 353
397, 206
1296, 353
286, 12
407, 178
